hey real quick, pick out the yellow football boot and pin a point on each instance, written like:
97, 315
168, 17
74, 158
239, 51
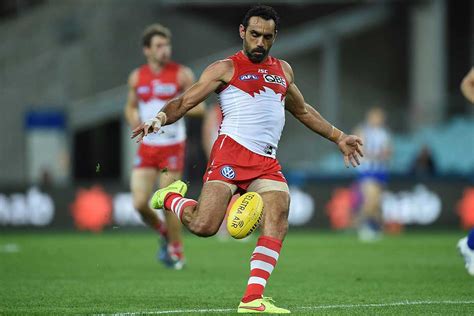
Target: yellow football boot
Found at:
261, 305
158, 199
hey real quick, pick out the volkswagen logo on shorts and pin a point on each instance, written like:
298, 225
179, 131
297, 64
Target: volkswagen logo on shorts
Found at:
228, 172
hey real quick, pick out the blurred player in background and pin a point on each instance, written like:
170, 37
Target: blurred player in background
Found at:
160, 157
466, 244
373, 173
254, 91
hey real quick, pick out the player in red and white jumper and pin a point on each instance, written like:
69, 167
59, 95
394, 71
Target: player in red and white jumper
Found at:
254, 91
160, 156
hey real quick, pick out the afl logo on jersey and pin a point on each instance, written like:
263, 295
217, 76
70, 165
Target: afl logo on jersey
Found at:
143, 89
274, 79
228, 172
248, 77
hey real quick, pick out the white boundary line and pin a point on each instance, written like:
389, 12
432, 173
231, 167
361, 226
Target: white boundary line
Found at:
304, 308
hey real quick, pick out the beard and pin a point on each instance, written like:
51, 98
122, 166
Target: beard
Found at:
256, 55
161, 59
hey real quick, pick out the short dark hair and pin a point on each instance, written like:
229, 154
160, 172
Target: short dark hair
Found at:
152, 30
265, 12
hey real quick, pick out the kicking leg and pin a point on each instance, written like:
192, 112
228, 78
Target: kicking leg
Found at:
202, 218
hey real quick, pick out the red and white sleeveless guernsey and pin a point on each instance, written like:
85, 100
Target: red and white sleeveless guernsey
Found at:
153, 91
164, 149
253, 106
253, 111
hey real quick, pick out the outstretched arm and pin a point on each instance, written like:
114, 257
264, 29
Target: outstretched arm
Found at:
349, 145
214, 76
186, 79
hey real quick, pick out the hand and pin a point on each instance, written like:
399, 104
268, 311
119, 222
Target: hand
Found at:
351, 148
467, 86
151, 126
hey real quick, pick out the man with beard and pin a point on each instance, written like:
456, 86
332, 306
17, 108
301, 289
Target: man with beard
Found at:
254, 91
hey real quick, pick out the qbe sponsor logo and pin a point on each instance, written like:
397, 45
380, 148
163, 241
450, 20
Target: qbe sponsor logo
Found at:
274, 79
165, 89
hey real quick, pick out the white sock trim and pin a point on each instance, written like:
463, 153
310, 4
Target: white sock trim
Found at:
257, 280
267, 252
178, 208
262, 265
173, 203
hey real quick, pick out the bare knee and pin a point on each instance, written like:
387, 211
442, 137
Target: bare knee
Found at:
141, 205
203, 229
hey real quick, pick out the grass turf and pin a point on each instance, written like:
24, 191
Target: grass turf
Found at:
80, 273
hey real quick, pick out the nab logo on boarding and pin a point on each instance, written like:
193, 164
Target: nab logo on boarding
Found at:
228, 172
248, 77
275, 79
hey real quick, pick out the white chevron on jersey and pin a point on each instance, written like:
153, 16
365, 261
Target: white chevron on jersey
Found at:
256, 122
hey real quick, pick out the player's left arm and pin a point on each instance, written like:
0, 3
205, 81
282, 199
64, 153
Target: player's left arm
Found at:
186, 79
349, 145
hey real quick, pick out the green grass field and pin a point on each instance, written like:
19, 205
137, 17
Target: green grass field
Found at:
318, 273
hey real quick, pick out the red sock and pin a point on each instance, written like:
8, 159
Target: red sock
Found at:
176, 203
161, 229
176, 249
262, 263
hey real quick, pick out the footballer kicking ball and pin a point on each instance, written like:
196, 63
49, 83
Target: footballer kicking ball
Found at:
244, 215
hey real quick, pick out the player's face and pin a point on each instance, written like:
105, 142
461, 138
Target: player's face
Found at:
159, 50
258, 38
376, 117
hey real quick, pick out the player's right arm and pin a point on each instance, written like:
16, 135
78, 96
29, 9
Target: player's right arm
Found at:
213, 77
131, 106
467, 86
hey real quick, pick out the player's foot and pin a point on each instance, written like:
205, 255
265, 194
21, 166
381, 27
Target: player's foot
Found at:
468, 255
261, 305
369, 233
158, 199
177, 263
163, 254
168, 258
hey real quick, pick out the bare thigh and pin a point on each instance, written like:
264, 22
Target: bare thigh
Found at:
372, 192
168, 177
142, 184
211, 208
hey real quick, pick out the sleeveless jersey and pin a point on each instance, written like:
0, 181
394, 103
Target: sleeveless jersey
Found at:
253, 104
153, 91
376, 141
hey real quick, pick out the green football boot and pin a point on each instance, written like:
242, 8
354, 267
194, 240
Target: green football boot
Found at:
261, 305
158, 199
